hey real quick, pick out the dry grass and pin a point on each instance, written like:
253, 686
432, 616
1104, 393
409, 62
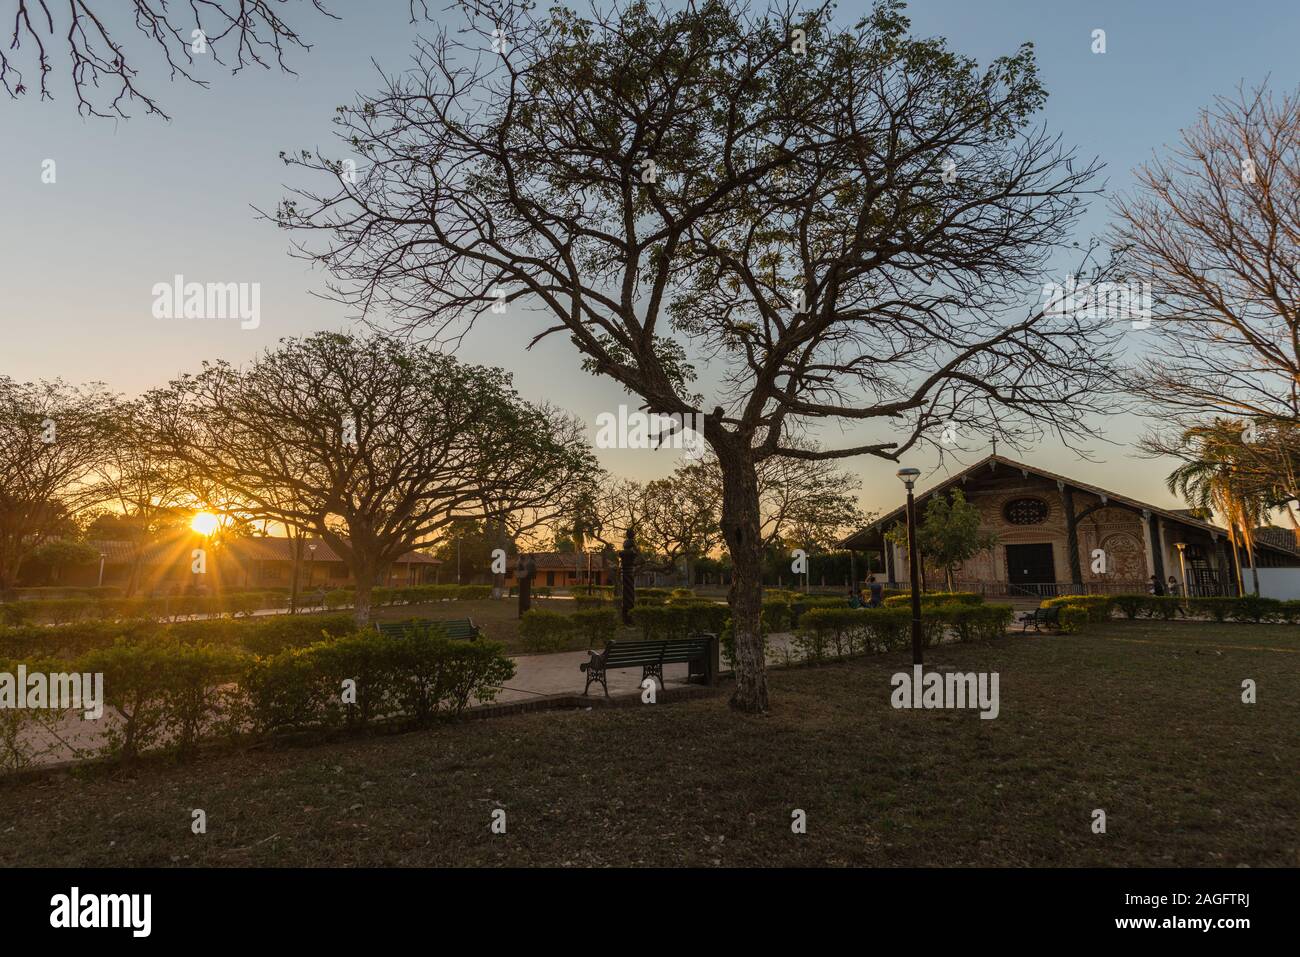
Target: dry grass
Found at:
1143, 719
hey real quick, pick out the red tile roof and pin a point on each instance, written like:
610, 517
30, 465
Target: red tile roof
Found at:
566, 561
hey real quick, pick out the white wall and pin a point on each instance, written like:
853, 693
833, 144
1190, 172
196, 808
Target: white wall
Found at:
1281, 583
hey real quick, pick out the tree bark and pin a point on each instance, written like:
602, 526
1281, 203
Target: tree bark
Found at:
365, 583
740, 529
293, 576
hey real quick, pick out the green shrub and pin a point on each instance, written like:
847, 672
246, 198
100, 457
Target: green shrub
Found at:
936, 598
541, 630
585, 602
807, 602
605, 592
283, 692
825, 630
1220, 608
975, 622
338, 598
1165, 607
597, 625
776, 614
473, 592
195, 702
1073, 618
364, 658
1257, 609
1099, 607
474, 669
888, 629
163, 692
1132, 605
19, 747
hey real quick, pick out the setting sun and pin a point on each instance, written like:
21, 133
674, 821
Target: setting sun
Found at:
205, 523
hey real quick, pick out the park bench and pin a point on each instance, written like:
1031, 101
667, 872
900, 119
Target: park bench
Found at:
1051, 617
696, 651
461, 629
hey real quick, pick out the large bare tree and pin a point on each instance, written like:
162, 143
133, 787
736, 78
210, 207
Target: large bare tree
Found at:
1216, 225
843, 222
87, 36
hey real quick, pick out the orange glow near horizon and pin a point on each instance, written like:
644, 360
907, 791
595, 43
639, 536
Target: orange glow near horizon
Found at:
205, 523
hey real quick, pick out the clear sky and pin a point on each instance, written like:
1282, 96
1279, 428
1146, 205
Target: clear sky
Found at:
138, 201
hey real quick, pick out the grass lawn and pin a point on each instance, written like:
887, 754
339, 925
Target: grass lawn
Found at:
1142, 719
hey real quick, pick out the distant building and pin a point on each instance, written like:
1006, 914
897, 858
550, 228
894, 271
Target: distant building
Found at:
571, 569
240, 563
1057, 535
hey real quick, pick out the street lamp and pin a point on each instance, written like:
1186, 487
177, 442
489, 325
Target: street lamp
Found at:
1182, 565
908, 477
311, 558
102, 556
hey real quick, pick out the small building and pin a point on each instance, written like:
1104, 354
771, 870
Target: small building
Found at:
573, 569
1056, 535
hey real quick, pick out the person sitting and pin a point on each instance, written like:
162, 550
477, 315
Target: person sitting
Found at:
854, 600
1157, 586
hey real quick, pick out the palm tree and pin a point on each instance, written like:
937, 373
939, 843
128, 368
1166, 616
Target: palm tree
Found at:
1219, 477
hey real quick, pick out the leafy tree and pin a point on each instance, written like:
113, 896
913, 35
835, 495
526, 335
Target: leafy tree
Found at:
1219, 472
372, 443
52, 437
844, 222
948, 535
62, 553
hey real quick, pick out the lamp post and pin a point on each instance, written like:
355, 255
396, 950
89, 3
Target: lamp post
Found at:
908, 478
102, 557
311, 558
1182, 566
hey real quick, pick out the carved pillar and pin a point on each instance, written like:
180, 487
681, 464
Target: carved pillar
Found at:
1071, 534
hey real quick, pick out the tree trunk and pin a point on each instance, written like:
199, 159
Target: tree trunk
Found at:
740, 529
365, 583
499, 587
293, 575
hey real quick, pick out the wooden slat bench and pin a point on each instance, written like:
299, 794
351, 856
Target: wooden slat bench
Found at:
461, 629
695, 651
1051, 617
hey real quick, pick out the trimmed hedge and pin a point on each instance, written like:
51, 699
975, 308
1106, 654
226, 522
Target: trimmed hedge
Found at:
417, 676
680, 619
106, 605
842, 631
263, 635
936, 598
1247, 608
170, 695
1097, 608
541, 630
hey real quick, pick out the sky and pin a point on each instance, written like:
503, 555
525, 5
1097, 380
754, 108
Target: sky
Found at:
138, 201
